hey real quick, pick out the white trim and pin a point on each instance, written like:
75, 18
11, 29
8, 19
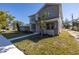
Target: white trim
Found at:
50, 20
49, 32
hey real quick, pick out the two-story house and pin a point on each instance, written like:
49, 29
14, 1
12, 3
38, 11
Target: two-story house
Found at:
53, 21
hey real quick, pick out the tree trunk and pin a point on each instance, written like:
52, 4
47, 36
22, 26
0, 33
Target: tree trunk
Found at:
18, 27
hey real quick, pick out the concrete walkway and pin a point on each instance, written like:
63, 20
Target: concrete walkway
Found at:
16, 38
74, 33
7, 48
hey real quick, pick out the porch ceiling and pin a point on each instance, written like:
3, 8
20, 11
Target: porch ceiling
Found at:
50, 20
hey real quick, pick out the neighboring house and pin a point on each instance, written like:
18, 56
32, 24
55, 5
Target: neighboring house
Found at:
10, 25
75, 24
53, 20
24, 28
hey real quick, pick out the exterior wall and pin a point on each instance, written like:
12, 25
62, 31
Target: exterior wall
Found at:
24, 28
32, 21
60, 25
33, 28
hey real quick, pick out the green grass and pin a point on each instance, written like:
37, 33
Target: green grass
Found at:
58, 45
13, 34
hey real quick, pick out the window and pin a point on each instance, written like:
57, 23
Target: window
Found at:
52, 27
47, 26
46, 14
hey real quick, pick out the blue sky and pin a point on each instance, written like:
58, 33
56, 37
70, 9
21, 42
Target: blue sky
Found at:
69, 9
22, 11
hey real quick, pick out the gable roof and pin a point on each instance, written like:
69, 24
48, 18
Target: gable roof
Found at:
44, 6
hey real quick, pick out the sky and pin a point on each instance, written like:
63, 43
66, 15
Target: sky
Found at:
22, 11
70, 8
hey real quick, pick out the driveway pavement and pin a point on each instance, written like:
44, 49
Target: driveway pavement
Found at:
7, 48
74, 33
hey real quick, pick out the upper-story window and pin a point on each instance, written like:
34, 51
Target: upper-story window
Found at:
36, 16
32, 19
46, 14
53, 11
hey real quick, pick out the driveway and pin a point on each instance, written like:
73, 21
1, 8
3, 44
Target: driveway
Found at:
74, 33
7, 48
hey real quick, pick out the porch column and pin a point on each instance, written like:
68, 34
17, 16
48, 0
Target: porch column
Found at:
56, 28
30, 27
37, 28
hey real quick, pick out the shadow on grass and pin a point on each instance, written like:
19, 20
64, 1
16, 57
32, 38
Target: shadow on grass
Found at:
15, 34
33, 38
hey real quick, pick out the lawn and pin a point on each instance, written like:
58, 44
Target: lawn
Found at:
13, 34
64, 44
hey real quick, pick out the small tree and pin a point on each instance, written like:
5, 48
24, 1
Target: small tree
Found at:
66, 24
77, 24
4, 18
14, 25
18, 27
41, 22
17, 24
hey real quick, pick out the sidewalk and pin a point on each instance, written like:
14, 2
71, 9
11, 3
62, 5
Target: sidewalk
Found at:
74, 33
7, 48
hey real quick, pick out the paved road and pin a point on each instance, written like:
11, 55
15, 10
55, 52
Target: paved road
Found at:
7, 48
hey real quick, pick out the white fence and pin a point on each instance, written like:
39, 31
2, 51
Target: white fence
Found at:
49, 32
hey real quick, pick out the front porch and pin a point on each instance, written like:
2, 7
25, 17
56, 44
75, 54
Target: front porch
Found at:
51, 28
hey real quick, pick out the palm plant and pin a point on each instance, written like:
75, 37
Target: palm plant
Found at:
67, 23
11, 18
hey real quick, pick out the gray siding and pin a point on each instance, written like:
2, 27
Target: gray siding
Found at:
52, 10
